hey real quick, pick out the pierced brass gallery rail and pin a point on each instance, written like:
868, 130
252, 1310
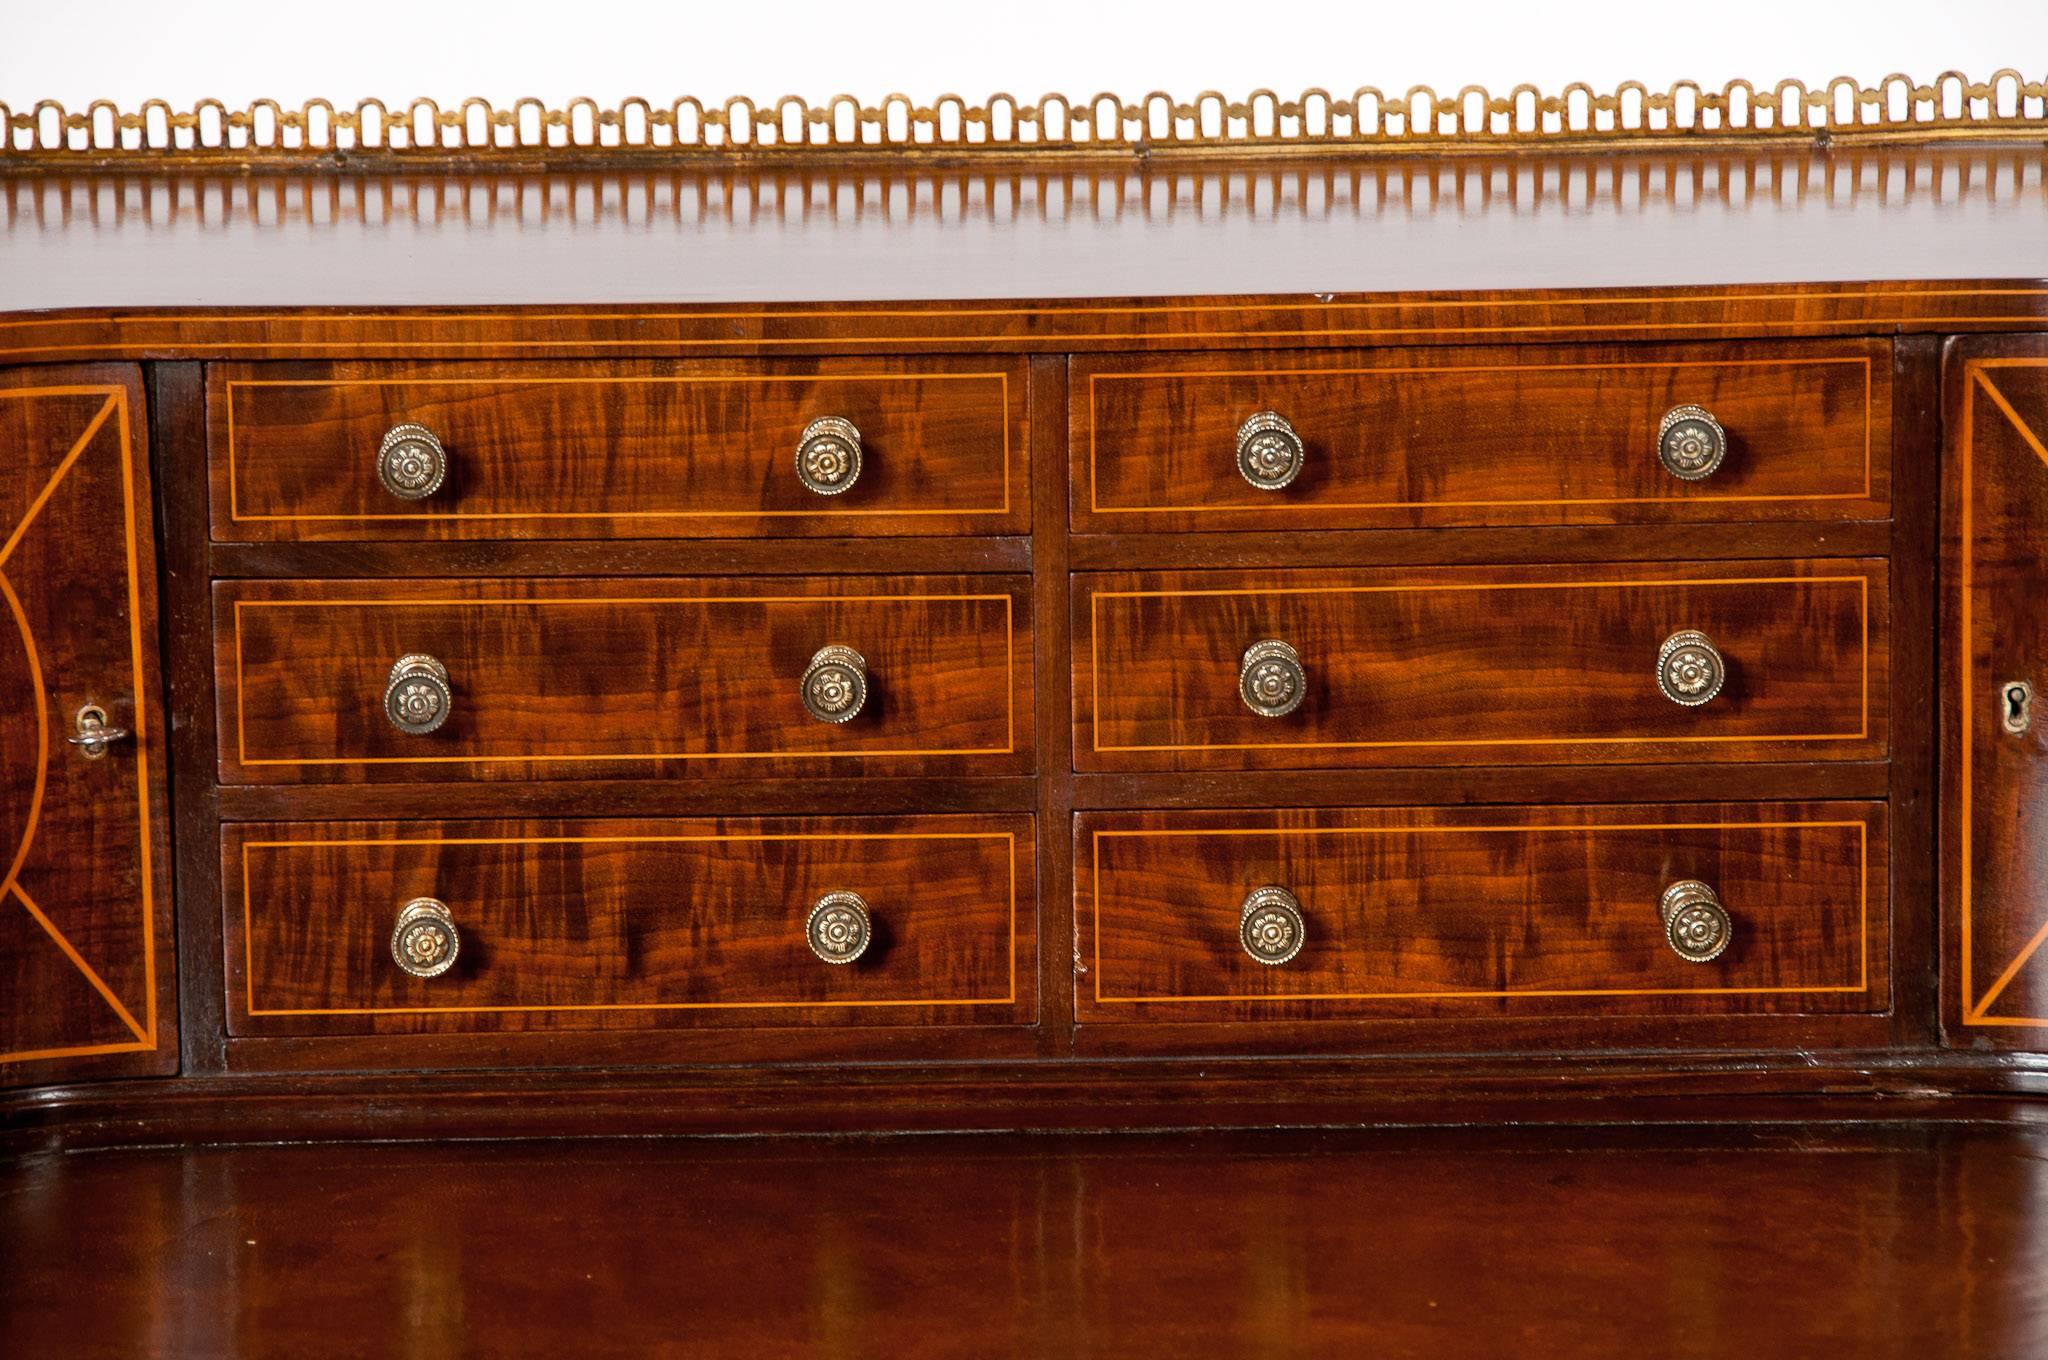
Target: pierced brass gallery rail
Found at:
2006, 107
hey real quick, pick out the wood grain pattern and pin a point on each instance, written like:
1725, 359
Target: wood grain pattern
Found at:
611, 924
87, 969
1911, 1238
1500, 911
601, 678
1533, 436
1481, 665
619, 450
1994, 620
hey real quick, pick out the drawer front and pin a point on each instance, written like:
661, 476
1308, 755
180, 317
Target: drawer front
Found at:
1480, 665
618, 450
609, 678
1395, 439
628, 925
1482, 912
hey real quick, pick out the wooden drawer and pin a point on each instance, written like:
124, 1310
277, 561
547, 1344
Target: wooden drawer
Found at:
629, 924
619, 450
1481, 911
595, 678
1425, 666
1402, 438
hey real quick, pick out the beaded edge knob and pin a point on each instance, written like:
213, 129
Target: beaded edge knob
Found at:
1696, 925
411, 462
424, 942
1269, 453
1270, 679
828, 455
1690, 670
839, 929
417, 699
1271, 926
835, 684
1691, 443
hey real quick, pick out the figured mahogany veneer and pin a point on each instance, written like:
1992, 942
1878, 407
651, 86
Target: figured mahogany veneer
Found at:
1481, 665
1401, 438
597, 678
1995, 500
1496, 911
619, 450
603, 924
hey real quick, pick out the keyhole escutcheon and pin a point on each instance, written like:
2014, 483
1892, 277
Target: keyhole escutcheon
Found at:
2016, 707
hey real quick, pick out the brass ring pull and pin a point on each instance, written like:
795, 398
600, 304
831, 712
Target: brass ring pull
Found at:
1270, 926
1689, 668
1269, 453
411, 462
1696, 925
94, 736
828, 455
839, 929
835, 684
418, 698
1691, 443
425, 942
1270, 679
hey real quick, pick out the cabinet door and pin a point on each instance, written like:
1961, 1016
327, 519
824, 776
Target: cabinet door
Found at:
1994, 694
86, 984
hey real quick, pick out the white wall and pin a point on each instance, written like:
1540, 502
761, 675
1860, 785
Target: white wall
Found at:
129, 50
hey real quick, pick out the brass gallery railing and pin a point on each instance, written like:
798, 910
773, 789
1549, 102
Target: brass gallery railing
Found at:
2005, 107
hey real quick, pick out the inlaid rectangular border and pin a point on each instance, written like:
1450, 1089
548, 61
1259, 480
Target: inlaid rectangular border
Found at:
117, 406
1862, 732
1009, 746
1009, 998
1971, 1014
235, 514
1862, 983
1095, 506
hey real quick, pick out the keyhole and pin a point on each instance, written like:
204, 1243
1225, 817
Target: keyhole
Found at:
2016, 709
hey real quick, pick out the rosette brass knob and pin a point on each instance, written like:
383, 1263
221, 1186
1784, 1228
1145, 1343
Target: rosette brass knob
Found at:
1269, 452
411, 462
1270, 679
1691, 443
1696, 925
835, 685
1689, 668
1271, 927
417, 699
424, 942
838, 928
828, 455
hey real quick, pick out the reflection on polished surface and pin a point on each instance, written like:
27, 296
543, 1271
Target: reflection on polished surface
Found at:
1866, 1240
781, 234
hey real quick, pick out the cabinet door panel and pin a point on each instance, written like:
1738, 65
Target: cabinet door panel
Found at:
86, 984
1994, 673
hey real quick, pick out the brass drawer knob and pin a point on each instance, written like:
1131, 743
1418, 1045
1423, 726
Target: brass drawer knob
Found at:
835, 686
1696, 925
424, 942
417, 699
411, 462
1269, 452
839, 928
828, 455
1270, 679
1271, 927
1689, 668
1691, 443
